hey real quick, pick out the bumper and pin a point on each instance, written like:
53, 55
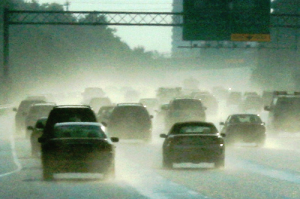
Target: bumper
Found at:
197, 154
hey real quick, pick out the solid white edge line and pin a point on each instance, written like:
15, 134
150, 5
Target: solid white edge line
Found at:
15, 157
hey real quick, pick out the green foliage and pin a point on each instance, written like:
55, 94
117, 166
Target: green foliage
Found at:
42, 51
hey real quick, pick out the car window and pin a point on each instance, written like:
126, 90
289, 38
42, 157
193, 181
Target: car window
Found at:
186, 104
245, 119
78, 131
196, 129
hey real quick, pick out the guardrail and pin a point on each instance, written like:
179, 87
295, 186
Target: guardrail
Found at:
4, 108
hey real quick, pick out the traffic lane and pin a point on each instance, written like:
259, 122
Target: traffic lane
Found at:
247, 174
8, 163
132, 181
28, 182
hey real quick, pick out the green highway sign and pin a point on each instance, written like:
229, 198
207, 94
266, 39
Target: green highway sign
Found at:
224, 19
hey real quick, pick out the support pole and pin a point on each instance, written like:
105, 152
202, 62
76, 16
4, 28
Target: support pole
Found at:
6, 79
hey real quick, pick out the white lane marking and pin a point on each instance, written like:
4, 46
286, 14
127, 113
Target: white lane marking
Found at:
152, 185
15, 157
269, 171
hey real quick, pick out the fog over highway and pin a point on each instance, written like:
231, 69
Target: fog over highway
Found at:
250, 172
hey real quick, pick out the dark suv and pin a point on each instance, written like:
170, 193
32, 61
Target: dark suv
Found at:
184, 110
61, 114
68, 113
130, 121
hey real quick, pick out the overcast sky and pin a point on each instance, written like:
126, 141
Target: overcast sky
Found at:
152, 38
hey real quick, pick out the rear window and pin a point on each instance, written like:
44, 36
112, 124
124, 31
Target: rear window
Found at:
187, 104
78, 131
73, 115
196, 130
130, 111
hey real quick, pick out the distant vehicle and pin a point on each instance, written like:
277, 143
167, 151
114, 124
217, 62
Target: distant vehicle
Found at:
245, 128
36, 132
104, 113
130, 121
209, 101
37, 111
67, 113
193, 142
151, 104
161, 113
82, 147
22, 112
165, 94
91, 92
37, 97
284, 113
183, 110
252, 103
234, 98
97, 102
267, 97
220, 92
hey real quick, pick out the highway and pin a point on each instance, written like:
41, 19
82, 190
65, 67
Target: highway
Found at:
250, 172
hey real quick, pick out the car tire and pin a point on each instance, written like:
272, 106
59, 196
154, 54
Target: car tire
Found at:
167, 162
47, 173
110, 173
260, 143
220, 163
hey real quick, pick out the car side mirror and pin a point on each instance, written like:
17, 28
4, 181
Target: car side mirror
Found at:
114, 139
30, 128
40, 125
163, 136
267, 108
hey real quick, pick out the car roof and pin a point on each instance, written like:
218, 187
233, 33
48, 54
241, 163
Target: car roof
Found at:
71, 106
246, 114
130, 104
45, 104
78, 124
194, 122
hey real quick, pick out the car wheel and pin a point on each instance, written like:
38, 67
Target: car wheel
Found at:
260, 143
167, 162
47, 173
220, 163
110, 173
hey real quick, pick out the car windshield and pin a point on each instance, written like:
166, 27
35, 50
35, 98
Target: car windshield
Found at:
78, 131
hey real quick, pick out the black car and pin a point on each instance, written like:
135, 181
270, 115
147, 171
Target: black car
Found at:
68, 113
130, 121
104, 113
36, 132
22, 112
183, 110
37, 111
193, 142
78, 147
246, 128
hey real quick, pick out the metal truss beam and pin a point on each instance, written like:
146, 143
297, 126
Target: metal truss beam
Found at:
18, 17
94, 18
